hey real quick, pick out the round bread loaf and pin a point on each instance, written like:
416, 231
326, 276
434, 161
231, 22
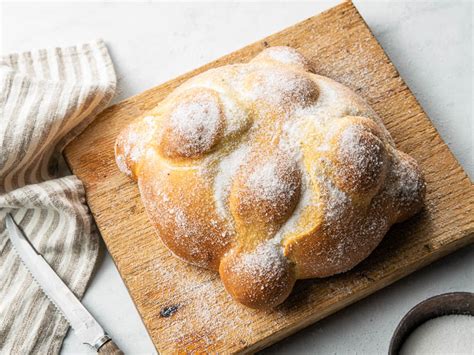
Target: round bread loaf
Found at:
268, 173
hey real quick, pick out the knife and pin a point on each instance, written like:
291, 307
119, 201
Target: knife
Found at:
87, 329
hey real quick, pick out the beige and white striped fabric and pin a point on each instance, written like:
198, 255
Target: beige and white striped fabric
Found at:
47, 97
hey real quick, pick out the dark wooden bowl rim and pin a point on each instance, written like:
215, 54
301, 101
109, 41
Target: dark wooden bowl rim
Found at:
437, 306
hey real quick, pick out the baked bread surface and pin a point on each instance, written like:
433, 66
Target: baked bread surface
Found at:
268, 173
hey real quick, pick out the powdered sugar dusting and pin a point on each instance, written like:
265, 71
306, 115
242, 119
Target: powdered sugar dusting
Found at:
285, 55
133, 146
236, 118
362, 154
285, 89
291, 226
123, 167
203, 307
291, 137
351, 145
337, 201
227, 169
265, 262
198, 122
408, 183
267, 184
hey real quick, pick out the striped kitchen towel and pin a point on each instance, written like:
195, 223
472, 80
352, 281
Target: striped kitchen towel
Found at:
47, 97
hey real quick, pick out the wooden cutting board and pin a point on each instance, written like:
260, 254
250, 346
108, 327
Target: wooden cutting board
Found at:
185, 307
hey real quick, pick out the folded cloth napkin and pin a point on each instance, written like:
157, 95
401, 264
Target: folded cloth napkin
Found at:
47, 97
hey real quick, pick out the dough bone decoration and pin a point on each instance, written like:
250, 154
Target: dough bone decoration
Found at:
267, 173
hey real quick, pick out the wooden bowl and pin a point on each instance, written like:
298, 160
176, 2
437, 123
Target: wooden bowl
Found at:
441, 305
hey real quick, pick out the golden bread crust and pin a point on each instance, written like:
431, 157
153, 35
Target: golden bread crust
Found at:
269, 173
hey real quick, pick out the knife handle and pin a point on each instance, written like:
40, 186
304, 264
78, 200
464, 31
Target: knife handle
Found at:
109, 348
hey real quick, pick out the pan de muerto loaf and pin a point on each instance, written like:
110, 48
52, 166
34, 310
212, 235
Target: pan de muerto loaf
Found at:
268, 173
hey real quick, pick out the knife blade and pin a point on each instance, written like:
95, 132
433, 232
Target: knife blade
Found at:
87, 329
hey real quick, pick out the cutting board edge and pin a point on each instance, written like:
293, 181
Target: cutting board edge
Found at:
467, 239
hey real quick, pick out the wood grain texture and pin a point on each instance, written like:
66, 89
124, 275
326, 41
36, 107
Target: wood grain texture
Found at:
186, 308
110, 348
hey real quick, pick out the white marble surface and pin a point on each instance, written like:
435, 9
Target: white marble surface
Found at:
430, 44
